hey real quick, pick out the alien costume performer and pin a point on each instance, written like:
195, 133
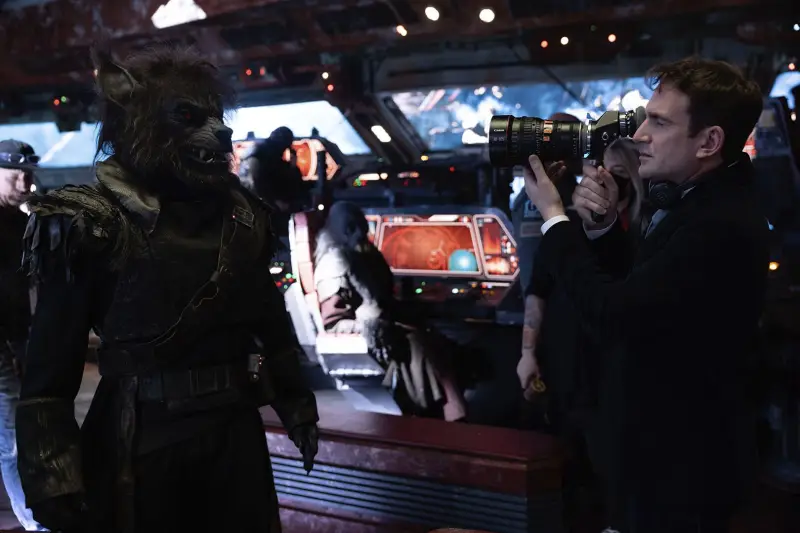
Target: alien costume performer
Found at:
167, 259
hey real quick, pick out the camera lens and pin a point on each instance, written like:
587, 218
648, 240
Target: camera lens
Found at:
513, 139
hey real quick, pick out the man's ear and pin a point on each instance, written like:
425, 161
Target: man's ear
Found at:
713, 139
114, 82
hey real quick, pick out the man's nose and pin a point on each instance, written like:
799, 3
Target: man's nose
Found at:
641, 134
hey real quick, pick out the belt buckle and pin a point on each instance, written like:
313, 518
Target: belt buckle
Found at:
254, 363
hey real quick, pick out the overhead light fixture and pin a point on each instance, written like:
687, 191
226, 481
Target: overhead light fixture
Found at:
612, 38
432, 13
565, 41
401, 30
176, 12
792, 66
796, 27
325, 75
381, 134
544, 44
486, 15
330, 88
774, 265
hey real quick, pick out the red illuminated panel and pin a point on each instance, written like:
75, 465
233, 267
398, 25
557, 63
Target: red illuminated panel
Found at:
306, 151
750, 145
240, 150
499, 249
417, 246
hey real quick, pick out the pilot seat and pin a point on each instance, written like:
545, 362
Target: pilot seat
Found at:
343, 357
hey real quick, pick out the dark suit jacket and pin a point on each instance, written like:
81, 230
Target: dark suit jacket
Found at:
679, 333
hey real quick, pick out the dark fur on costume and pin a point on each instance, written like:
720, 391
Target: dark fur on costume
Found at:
162, 115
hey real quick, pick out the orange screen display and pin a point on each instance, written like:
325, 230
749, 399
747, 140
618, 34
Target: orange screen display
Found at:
430, 247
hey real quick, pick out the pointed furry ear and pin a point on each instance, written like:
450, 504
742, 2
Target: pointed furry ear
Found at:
114, 82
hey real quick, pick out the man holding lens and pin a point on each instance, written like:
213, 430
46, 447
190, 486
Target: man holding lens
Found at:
17, 164
679, 331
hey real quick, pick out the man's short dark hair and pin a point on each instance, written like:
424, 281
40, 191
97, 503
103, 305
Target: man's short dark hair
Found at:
719, 95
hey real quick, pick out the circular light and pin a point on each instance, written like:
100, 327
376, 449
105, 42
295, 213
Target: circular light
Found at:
424, 158
321, 207
486, 15
330, 88
796, 27
612, 38
325, 75
248, 72
56, 102
565, 40
544, 44
262, 71
401, 30
432, 13
774, 265
792, 66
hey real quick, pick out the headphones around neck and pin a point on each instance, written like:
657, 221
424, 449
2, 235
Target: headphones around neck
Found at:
666, 194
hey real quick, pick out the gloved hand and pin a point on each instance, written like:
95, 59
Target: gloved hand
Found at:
306, 438
63, 513
379, 341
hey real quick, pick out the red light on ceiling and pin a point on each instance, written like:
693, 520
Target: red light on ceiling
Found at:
56, 102
452, 169
544, 44
330, 88
248, 72
262, 71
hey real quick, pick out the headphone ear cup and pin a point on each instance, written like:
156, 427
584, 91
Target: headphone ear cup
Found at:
664, 195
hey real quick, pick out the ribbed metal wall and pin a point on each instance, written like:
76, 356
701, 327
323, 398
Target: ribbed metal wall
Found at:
414, 501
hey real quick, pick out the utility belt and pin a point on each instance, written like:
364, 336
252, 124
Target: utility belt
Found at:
156, 385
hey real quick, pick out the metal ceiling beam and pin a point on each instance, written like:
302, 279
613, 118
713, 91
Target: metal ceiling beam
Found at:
44, 30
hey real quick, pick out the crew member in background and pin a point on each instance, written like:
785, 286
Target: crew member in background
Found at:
17, 163
682, 327
277, 181
557, 350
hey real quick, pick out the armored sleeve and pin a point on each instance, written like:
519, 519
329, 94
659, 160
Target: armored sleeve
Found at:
61, 246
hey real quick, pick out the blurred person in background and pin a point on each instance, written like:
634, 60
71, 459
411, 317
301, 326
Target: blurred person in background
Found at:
17, 164
557, 350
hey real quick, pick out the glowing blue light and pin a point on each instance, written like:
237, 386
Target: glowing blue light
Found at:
463, 261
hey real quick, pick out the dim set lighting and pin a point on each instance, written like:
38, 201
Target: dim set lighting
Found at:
486, 15
262, 71
773, 265
793, 116
330, 88
544, 44
325, 75
565, 40
432, 13
248, 72
381, 134
401, 30
424, 158
796, 27
612, 38
792, 66
321, 207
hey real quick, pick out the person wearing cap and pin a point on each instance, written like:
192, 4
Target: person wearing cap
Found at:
17, 164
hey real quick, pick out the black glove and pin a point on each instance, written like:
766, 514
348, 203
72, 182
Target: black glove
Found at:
306, 438
63, 513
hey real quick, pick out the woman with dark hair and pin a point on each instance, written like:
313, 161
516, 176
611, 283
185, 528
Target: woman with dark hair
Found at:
355, 287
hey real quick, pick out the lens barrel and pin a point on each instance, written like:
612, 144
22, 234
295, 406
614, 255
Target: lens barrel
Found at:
513, 139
